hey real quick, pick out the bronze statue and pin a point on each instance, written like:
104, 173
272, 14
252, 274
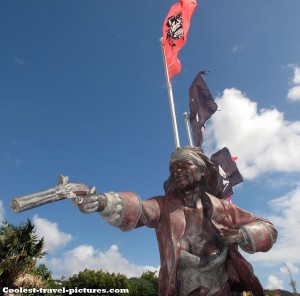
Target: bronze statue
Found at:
198, 232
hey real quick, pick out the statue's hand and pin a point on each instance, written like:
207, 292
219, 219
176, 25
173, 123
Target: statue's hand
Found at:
92, 202
230, 236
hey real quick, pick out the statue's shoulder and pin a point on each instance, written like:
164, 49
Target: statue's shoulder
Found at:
216, 202
214, 198
219, 211
173, 200
173, 195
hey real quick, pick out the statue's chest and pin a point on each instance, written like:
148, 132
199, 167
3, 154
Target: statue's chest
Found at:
199, 236
196, 222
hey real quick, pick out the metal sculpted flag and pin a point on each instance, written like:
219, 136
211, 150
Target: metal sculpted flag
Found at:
175, 29
202, 107
229, 174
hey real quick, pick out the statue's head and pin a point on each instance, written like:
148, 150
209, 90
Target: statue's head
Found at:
193, 154
189, 167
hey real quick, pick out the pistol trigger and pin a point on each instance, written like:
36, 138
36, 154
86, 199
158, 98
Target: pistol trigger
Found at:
76, 200
79, 200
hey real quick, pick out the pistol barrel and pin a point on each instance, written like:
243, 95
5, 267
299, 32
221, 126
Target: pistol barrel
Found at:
30, 201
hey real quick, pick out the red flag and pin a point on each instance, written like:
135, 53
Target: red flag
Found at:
175, 29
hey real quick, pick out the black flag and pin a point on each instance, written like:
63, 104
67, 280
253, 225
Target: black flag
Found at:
202, 107
229, 174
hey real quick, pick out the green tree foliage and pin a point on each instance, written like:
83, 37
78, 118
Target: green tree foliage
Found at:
43, 272
270, 292
95, 280
19, 249
147, 285
151, 277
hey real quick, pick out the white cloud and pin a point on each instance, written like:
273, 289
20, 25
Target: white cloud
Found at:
85, 256
296, 79
286, 218
1, 212
292, 268
274, 282
54, 238
265, 143
262, 139
294, 93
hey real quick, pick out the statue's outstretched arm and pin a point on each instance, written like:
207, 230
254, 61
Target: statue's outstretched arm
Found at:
124, 210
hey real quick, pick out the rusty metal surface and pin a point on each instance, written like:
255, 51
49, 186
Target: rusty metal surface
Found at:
61, 191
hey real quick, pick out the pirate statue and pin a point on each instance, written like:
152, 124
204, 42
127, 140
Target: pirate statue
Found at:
198, 232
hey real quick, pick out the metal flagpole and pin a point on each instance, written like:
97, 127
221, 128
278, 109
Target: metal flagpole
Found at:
188, 130
171, 99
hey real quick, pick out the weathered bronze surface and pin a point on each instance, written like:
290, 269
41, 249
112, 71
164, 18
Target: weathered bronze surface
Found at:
63, 190
198, 232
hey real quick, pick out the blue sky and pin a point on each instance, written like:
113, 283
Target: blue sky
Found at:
82, 93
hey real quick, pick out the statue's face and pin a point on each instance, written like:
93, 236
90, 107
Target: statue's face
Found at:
185, 174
